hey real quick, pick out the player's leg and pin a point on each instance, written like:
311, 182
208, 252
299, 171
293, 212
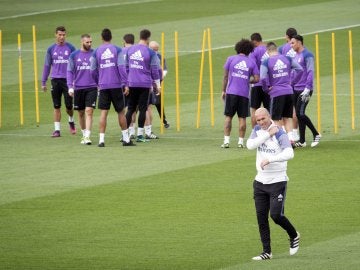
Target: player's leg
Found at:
68, 100
56, 94
277, 206
262, 206
242, 112
104, 106
90, 104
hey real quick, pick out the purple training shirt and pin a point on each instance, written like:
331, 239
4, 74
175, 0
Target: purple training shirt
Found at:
78, 71
240, 68
56, 60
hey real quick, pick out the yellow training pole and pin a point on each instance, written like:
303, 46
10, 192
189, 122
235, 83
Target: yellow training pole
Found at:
200, 81
351, 82
36, 78
334, 81
20, 82
318, 81
177, 82
211, 80
0, 78
163, 84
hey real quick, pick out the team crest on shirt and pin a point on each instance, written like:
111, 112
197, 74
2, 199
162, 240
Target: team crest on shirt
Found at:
66, 52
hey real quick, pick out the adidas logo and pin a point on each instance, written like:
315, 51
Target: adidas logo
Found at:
107, 54
280, 65
265, 56
280, 198
242, 66
79, 60
137, 56
291, 53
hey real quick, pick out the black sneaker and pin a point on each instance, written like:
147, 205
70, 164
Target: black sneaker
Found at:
101, 144
262, 256
167, 125
130, 143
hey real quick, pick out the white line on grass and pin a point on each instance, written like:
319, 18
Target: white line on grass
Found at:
76, 8
277, 38
165, 137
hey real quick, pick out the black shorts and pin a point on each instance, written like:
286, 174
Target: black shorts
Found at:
59, 88
138, 98
85, 98
281, 106
114, 96
258, 97
236, 104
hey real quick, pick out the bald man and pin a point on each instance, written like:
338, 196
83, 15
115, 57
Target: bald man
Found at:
273, 151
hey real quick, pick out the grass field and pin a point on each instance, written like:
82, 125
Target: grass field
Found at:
179, 202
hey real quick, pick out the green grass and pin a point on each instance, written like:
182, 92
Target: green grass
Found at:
179, 202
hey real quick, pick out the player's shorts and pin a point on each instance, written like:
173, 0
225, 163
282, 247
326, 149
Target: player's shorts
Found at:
59, 88
85, 98
138, 98
258, 97
281, 106
114, 96
236, 104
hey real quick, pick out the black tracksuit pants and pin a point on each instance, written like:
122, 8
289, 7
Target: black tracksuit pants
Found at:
270, 198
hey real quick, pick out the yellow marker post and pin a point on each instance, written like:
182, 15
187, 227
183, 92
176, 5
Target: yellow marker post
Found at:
201, 80
0, 78
318, 92
334, 82
352, 99
177, 89
211, 80
36, 78
20, 83
162, 96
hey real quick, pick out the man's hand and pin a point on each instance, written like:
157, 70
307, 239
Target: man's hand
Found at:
305, 95
44, 88
71, 92
264, 163
273, 129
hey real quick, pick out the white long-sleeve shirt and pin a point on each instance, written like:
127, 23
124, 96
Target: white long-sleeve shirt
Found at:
277, 149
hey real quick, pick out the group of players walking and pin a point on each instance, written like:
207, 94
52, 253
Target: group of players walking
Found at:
129, 78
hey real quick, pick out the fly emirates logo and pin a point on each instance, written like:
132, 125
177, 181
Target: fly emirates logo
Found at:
136, 58
241, 67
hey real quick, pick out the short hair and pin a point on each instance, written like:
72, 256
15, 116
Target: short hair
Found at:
271, 46
129, 38
244, 46
299, 38
106, 34
153, 43
60, 29
256, 37
291, 32
145, 34
85, 36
